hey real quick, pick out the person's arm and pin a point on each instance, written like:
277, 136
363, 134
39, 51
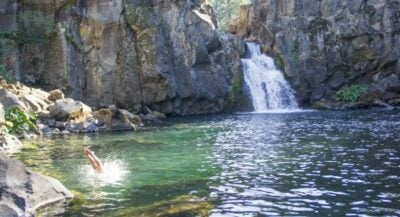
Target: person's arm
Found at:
93, 160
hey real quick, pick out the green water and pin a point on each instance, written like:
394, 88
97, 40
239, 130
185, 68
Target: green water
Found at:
342, 163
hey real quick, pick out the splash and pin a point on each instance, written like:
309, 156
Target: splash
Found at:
114, 172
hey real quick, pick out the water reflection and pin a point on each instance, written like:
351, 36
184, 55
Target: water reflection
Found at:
331, 163
297, 164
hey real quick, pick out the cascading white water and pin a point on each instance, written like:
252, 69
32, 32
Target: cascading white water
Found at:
268, 88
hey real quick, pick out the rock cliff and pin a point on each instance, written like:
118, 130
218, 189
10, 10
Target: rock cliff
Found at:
325, 46
166, 55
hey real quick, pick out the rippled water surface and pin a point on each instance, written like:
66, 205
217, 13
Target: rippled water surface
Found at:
297, 164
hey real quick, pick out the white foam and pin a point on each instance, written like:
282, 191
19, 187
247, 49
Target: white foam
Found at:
279, 111
114, 172
268, 88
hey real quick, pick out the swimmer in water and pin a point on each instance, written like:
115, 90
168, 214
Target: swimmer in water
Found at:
93, 160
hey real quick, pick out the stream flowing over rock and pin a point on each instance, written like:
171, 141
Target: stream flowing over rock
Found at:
327, 45
166, 55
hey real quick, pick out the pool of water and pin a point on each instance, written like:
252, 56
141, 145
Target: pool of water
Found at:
334, 163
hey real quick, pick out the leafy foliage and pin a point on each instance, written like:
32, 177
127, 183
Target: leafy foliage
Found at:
352, 93
226, 10
18, 121
279, 62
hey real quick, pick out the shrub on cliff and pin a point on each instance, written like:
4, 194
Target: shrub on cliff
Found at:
18, 121
226, 10
352, 93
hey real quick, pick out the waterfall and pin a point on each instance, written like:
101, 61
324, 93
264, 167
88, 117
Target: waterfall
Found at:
268, 88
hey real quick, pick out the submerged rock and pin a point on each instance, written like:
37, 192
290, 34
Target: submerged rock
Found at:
23, 191
185, 205
9, 144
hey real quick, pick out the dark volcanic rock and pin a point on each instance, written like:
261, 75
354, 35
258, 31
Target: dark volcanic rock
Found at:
166, 55
22, 191
326, 45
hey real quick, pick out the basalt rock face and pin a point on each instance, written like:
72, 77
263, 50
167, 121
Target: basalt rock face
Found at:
327, 45
166, 55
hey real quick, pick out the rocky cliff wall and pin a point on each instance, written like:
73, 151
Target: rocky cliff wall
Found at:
327, 45
132, 53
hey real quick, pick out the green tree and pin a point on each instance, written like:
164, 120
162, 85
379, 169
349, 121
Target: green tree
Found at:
226, 10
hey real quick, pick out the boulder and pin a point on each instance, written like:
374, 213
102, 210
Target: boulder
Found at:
23, 191
322, 105
9, 144
395, 102
390, 83
34, 103
153, 116
117, 119
64, 109
87, 126
374, 93
135, 119
55, 95
9, 99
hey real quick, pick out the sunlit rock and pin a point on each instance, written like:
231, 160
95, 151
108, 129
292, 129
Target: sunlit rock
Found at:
23, 191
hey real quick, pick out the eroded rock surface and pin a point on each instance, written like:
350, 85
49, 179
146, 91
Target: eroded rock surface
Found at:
23, 191
166, 55
327, 45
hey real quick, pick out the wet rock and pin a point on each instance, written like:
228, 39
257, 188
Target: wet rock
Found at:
23, 191
135, 119
374, 93
184, 205
322, 105
390, 83
326, 45
153, 116
64, 109
87, 126
104, 117
9, 144
395, 102
356, 105
45, 129
55, 95
117, 119
60, 124
379, 103
51, 122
